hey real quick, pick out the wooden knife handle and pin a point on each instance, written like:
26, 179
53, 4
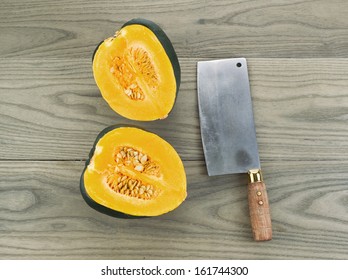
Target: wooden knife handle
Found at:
259, 207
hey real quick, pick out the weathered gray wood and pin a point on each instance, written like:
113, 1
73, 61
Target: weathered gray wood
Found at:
52, 109
43, 216
286, 28
51, 112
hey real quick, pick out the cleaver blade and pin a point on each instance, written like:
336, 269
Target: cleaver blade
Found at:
228, 132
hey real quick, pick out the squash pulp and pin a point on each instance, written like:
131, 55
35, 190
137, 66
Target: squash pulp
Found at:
133, 172
137, 71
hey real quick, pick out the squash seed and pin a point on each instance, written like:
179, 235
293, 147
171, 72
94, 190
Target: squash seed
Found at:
128, 156
125, 185
143, 159
139, 167
125, 67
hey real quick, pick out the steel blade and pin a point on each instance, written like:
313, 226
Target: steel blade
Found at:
226, 116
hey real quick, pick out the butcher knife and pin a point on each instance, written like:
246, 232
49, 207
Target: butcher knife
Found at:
228, 133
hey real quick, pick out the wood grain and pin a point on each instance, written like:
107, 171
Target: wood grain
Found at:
42, 215
59, 114
286, 28
51, 111
259, 212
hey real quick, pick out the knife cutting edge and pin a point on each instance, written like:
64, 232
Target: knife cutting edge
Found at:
228, 133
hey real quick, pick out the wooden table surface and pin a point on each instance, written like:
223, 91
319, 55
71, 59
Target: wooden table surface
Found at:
51, 111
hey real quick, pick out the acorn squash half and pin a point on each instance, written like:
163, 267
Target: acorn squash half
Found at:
133, 172
137, 71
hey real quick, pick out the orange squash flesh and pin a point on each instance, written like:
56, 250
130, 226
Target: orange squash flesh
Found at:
135, 73
162, 173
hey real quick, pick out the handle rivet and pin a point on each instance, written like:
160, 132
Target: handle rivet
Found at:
260, 202
258, 193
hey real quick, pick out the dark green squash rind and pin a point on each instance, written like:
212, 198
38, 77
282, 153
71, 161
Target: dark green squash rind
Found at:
101, 208
165, 42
